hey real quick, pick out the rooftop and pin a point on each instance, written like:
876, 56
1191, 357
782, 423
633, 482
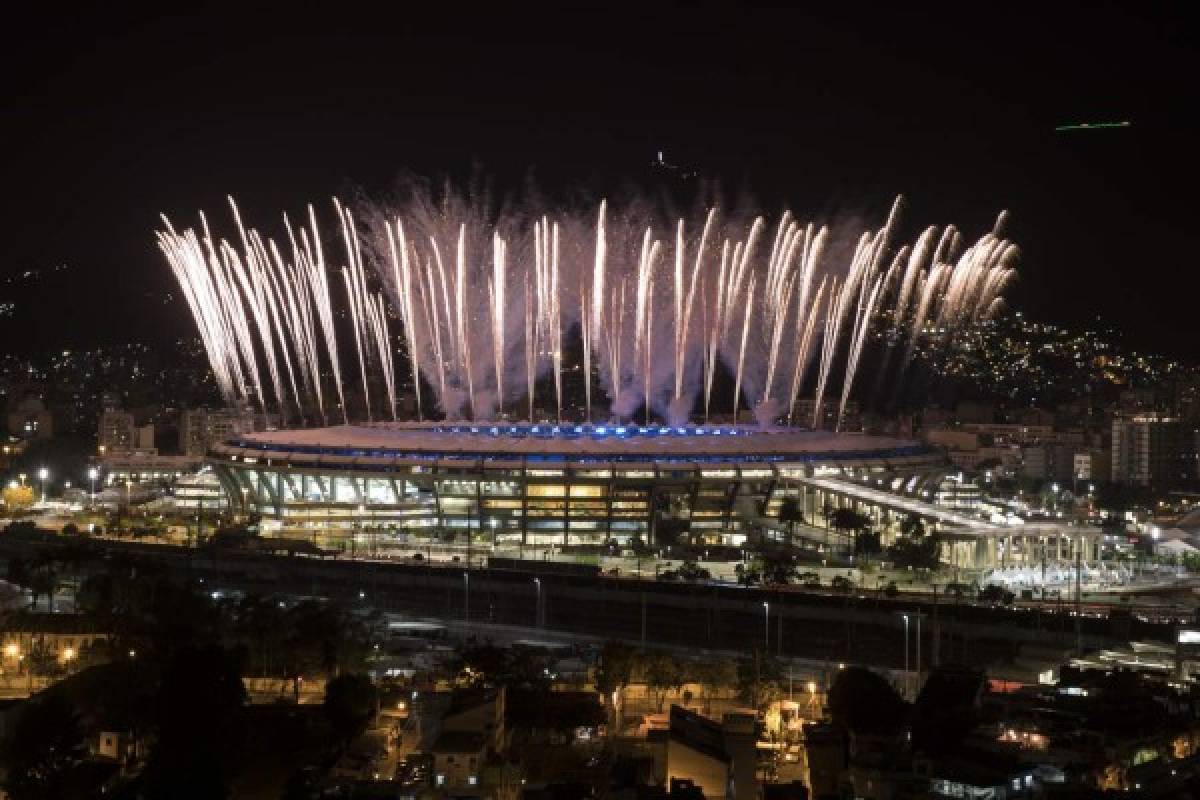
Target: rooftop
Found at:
548, 441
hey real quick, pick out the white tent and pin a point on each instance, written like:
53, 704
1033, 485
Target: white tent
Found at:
1176, 547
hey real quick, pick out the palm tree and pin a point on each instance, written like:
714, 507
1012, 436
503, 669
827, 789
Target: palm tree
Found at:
790, 513
846, 520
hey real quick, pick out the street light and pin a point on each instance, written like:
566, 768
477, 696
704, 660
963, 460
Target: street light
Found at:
93, 473
43, 474
537, 608
766, 627
467, 593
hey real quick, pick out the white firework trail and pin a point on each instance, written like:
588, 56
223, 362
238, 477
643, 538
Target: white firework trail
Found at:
266, 317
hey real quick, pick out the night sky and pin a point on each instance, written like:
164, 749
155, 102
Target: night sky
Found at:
110, 117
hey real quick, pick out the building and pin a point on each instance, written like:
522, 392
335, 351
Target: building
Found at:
199, 491
1092, 465
147, 470
827, 755
62, 637
201, 428
539, 485
119, 433
718, 757
29, 419
471, 732
1149, 449
458, 759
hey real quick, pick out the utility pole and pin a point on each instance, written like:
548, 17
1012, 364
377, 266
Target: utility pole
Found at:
1078, 598
937, 629
643, 593
779, 630
919, 615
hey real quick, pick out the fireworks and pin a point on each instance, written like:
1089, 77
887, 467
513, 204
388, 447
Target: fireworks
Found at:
658, 306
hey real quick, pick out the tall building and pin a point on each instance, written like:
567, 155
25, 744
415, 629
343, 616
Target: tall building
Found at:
1149, 449
118, 432
200, 428
29, 419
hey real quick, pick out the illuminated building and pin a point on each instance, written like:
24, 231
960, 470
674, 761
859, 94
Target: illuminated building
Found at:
539, 484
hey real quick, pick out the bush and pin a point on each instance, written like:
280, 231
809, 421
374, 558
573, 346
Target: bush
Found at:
996, 595
841, 583
350, 702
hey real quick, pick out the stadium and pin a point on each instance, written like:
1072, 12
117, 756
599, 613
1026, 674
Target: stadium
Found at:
541, 485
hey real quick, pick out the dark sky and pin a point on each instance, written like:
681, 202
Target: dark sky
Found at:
110, 116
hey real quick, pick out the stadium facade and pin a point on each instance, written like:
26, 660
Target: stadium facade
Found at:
539, 485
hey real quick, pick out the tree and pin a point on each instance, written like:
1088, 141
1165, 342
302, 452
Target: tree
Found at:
691, 572
759, 680
350, 701
17, 571
912, 527
778, 568
862, 702
46, 748
668, 531
997, 595
714, 676
520, 667
17, 497
199, 707
323, 640
482, 664
43, 580
915, 547
916, 553
848, 519
614, 670
663, 676
791, 514
849, 522
866, 544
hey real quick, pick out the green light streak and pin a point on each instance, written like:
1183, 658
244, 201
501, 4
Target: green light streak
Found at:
1088, 126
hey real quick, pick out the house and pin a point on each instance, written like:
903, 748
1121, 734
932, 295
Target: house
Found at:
63, 637
458, 759
478, 711
717, 757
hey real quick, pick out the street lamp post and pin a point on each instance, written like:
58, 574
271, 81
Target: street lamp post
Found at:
919, 651
43, 474
93, 473
906, 676
537, 607
467, 597
766, 627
